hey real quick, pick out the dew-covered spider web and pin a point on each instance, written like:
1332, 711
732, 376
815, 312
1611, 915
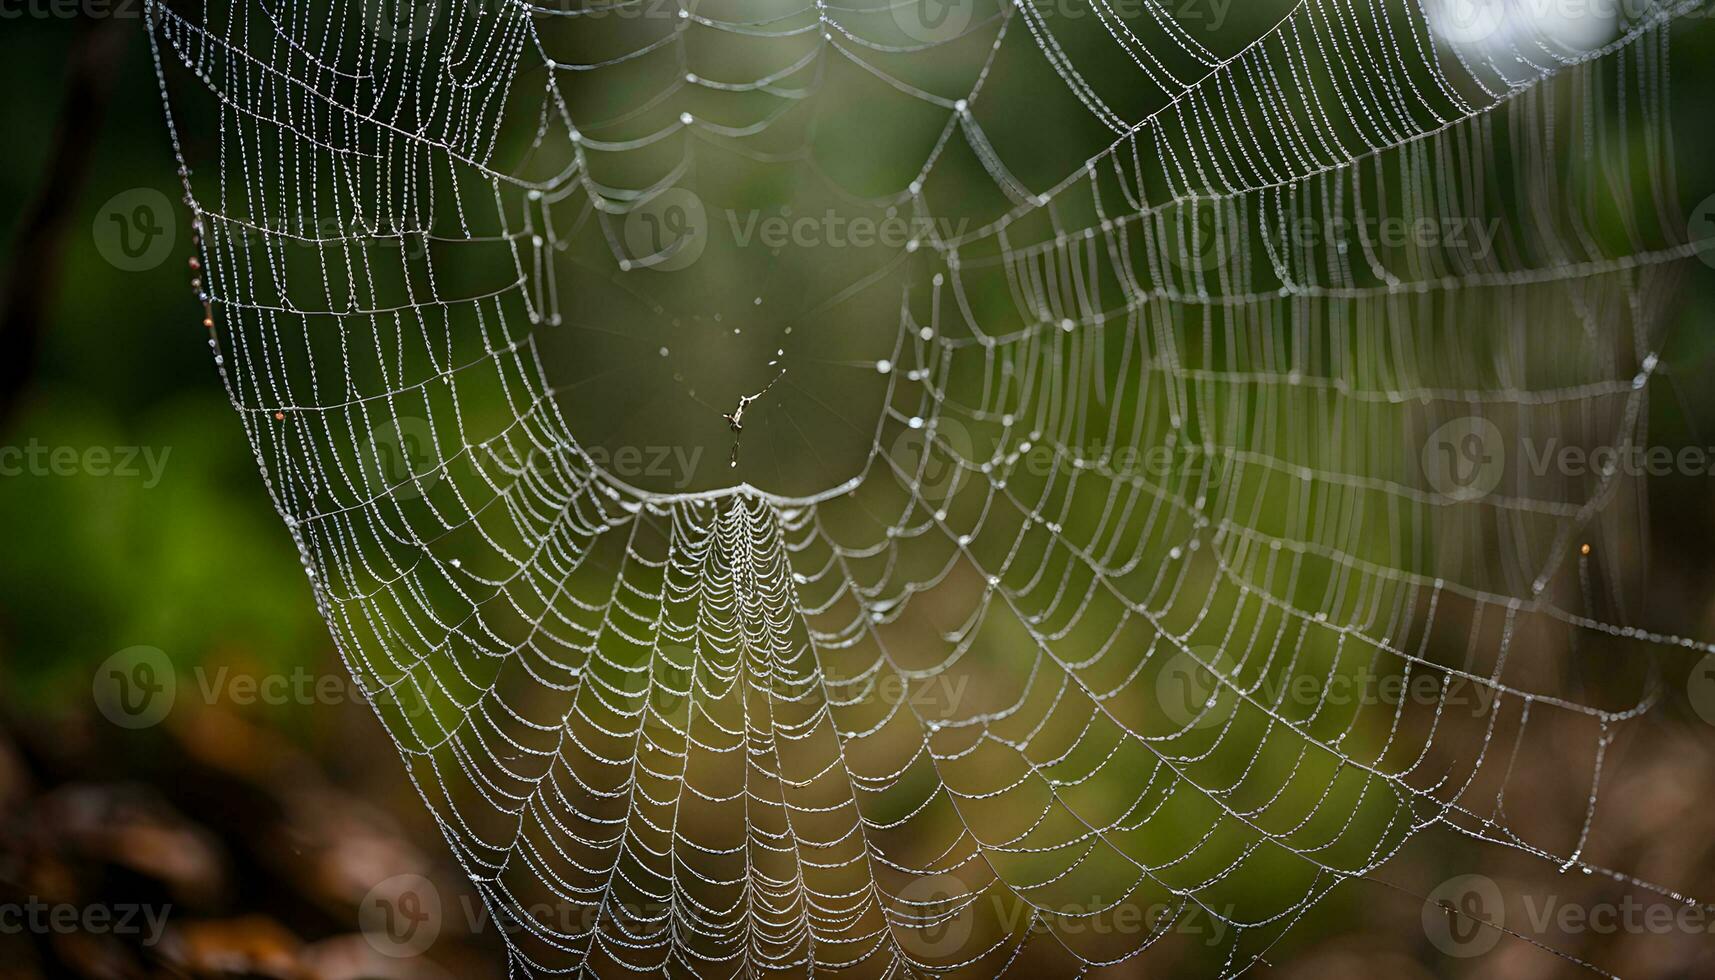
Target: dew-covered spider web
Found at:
1141, 506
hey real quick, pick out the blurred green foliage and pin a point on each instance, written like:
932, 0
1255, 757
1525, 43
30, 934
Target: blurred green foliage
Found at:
96, 563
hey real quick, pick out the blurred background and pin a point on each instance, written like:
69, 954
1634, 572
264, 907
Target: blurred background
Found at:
239, 832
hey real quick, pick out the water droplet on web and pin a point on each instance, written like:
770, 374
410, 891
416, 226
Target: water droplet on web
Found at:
884, 366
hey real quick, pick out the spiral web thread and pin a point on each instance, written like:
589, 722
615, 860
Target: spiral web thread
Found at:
925, 721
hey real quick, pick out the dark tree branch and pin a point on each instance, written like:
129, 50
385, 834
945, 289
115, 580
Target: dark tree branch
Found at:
92, 65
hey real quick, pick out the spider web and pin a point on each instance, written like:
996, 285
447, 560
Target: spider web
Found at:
1165, 450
